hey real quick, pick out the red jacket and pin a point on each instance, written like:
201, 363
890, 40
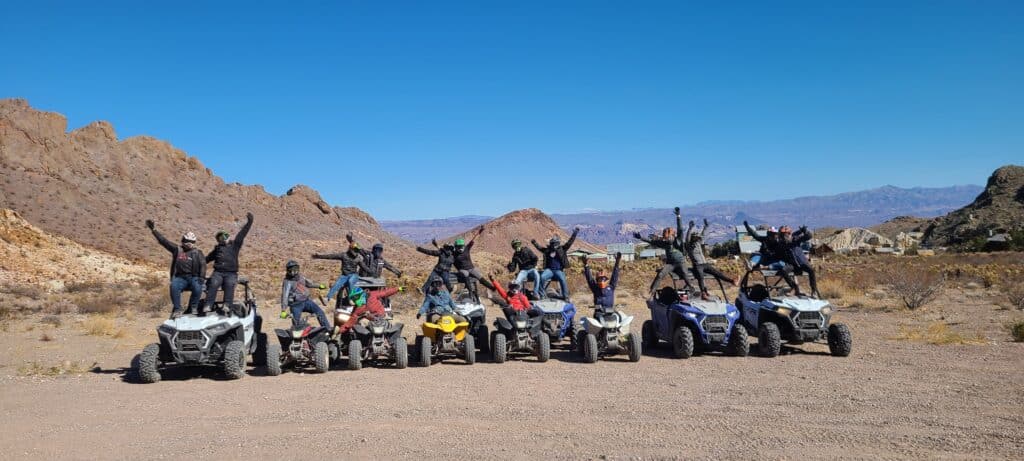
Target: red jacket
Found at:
373, 308
518, 303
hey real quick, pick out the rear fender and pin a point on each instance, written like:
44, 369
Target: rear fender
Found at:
395, 328
361, 330
502, 323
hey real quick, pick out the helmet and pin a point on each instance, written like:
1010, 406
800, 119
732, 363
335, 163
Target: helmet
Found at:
378, 248
772, 230
189, 237
356, 293
291, 268
555, 241
222, 233
291, 263
513, 286
602, 279
460, 242
516, 243
786, 230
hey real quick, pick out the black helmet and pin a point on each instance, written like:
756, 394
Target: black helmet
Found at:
378, 247
291, 263
555, 241
513, 286
291, 269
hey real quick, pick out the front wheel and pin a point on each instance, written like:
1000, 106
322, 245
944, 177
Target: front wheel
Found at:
633, 347
682, 342
650, 336
469, 349
739, 343
401, 353
234, 360
147, 364
423, 349
355, 355
840, 342
272, 361
589, 348
333, 352
321, 361
543, 348
769, 341
498, 348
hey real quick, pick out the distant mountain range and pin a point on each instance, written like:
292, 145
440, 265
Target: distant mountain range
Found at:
850, 209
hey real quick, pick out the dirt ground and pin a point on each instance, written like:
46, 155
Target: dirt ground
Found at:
894, 397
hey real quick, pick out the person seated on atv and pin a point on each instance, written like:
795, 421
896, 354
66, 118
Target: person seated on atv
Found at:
695, 251
225, 265
295, 297
438, 303
556, 262
795, 257
775, 255
373, 264
368, 305
188, 268
525, 262
603, 289
468, 273
675, 262
515, 300
350, 261
445, 257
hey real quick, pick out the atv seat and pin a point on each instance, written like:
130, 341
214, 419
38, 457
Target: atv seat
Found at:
668, 296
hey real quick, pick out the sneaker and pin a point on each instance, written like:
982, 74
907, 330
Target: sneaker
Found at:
175, 314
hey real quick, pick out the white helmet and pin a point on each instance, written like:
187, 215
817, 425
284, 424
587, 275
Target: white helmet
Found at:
189, 237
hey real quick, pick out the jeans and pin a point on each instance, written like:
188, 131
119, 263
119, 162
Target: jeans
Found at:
548, 274
667, 270
310, 307
531, 274
195, 287
349, 281
227, 280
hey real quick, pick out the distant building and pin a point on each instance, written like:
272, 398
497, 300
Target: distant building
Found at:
747, 243
628, 250
651, 253
590, 255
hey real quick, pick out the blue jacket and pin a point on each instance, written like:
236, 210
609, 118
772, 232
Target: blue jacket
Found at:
604, 297
440, 303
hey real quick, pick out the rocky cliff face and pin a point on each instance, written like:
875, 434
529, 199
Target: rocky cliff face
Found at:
999, 208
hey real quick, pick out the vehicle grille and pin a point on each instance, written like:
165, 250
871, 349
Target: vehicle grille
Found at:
190, 340
716, 324
554, 319
809, 320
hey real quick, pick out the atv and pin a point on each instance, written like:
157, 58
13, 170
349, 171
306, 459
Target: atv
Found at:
694, 325
221, 338
445, 339
520, 334
776, 316
475, 314
379, 340
301, 346
559, 315
607, 334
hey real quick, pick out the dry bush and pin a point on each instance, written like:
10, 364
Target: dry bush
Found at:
1017, 331
95, 304
1015, 293
103, 326
60, 307
51, 320
914, 286
85, 287
46, 337
65, 368
835, 289
32, 292
937, 333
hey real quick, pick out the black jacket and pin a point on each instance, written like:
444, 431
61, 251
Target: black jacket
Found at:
445, 258
523, 260
374, 265
463, 261
350, 260
673, 248
183, 263
559, 251
225, 256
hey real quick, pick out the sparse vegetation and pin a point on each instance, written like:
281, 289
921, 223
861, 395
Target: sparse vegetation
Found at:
938, 333
914, 286
1017, 331
65, 368
51, 320
98, 325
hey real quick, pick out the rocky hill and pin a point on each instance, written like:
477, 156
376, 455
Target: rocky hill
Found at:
999, 208
526, 224
893, 227
96, 189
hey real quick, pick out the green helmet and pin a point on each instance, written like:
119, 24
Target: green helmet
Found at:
516, 243
223, 233
460, 242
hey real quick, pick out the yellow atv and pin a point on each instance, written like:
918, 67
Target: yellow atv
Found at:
445, 339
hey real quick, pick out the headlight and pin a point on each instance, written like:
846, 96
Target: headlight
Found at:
733, 314
218, 328
520, 324
378, 330
167, 330
826, 310
783, 311
691, 315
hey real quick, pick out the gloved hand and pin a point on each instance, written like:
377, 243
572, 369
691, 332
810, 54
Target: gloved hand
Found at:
150, 224
745, 223
349, 238
637, 235
249, 216
399, 273
284, 314
434, 242
418, 315
677, 211
576, 229
323, 287
618, 255
705, 222
692, 223
401, 289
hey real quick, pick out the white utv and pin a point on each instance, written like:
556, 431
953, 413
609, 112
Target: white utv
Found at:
221, 338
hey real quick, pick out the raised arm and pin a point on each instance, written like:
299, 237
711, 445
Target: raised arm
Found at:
679, 223
615, 271
240, 238
704, 229
572, 238
689, 229
169, 245
428, 251
334, 256
587, 275
391, 268
641, 238
537, 246
501, 291
753, 232
805, 235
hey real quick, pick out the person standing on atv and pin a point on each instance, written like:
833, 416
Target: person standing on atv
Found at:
350, 261
795, 256
373, 264
695, 251
295, 297
438, 302
368, 304
225, 265
603, 289
525, 262
775, 255
468, 273
671, 241
515, 300
445, 258
188, 268
556, 262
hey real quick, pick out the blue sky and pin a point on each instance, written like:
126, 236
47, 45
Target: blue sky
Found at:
432, 109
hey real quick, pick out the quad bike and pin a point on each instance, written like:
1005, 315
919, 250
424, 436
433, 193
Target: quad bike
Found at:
559, 316
691, 325
379, 340
768, 310
607, 334
301, 346
445, 339
337, 345
520, 334
221, 338
475, 314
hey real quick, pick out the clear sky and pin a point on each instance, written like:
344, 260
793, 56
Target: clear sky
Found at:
432, 109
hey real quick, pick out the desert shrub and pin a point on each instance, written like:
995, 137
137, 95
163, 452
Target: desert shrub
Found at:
938, 333
834, 289
914, 286
45, 337
32, 292
85, 287
1015, 293
103, 326
95, 304
51, 320
60, 307
1017, 331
